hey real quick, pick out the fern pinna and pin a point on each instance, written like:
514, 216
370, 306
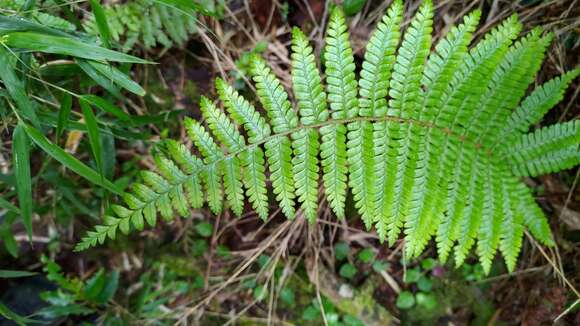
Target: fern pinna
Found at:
432, 144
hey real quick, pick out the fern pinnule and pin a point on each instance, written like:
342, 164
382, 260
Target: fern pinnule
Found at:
534, 107
342, 96
546, 150
489, 229
441, 65
252, 159
211, 175
507, 85
227, 134
311, 100
405, 102
275, 101
454, 111
430, 145
370, 147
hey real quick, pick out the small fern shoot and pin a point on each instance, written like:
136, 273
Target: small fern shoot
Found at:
431, 144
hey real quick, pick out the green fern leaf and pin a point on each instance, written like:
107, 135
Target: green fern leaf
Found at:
444, 156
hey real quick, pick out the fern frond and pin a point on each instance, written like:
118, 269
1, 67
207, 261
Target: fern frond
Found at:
145, 21
443, 158
454, 109
534, 218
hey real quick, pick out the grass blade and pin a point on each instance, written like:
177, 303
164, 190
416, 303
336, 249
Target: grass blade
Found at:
93, 132
15, 87
117, 77
9, 206
102, 24
70, 161
6, 273
21, 157
13, 24
106, 106
105, 82
63, 114
66, 46
11, 315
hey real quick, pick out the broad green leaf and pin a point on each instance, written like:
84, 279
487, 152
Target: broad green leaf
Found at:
21, 157
15, 87
93, 132
70, 161
7, 237
67, 46
63, 114
102, 24
106, 106
366, 255
117, 77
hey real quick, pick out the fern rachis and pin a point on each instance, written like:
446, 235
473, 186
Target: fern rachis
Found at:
427, 143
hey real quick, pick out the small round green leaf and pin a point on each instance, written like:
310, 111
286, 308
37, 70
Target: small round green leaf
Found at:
347, 270
405, 300
341, 250
204, 229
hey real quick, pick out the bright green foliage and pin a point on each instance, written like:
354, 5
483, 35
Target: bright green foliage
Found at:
148, 22
433, 145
